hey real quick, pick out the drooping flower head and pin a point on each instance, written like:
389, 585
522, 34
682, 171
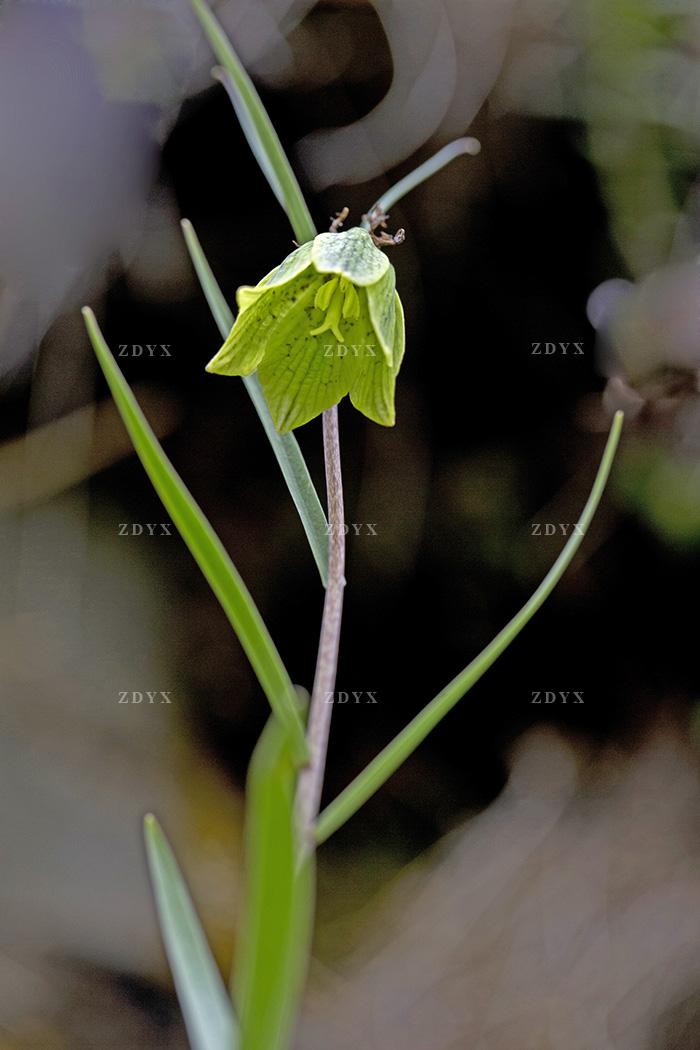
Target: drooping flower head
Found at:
325, 323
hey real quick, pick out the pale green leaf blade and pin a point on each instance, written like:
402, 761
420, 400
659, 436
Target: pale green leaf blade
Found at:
258, 128
275, 939
430, 167
395, 754
205, 1004
220, 310
253, 138
285, 446
204, 545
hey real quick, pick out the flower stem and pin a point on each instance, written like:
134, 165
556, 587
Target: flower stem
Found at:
311, 777
395, 754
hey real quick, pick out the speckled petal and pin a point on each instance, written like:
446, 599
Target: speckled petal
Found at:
399, 336
301, 375
258, 325
382, 310
247, 294
351, 253
295, 263
373, 387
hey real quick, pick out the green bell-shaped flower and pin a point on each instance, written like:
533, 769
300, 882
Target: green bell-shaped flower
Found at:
325, 323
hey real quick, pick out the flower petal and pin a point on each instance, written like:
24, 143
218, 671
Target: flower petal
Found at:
352, 254
399, 337
302, 375
294, 264
372, 390
248, 294
257, 326
382, 310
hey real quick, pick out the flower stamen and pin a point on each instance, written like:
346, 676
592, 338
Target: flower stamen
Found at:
338, 299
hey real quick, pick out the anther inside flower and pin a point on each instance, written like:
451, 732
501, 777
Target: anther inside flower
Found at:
338, 298
325, 323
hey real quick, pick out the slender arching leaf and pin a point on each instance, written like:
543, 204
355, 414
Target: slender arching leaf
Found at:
272, 959
284, 446
245, 119
428, 168
205, 546
395, 754
257, 127
206, 1006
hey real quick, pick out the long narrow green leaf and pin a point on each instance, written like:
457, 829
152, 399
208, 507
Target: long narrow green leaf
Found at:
424, 171
284, 446
394, 754
207, 1009
250, 132
205, 546
258, 128
276, 935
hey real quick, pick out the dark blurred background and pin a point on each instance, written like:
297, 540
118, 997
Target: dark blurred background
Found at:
576, 224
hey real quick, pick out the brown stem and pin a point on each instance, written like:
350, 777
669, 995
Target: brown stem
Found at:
311, 777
